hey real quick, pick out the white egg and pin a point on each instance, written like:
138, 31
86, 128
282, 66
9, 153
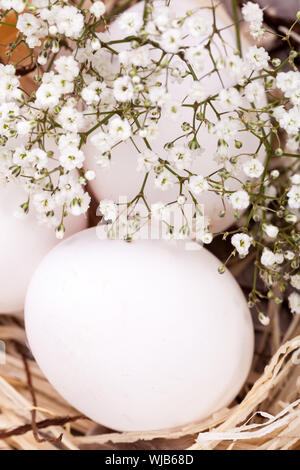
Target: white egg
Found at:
122, 179
139, 336
23, 244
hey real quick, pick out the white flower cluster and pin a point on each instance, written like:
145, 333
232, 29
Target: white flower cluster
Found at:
48, 172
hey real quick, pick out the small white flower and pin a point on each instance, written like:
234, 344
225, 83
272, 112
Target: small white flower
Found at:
294, 197
102, 141
294, 303
103, 160
173, 109
147, 160
198, 184
293, 144
268, 258
123, 89
226, 129
90, 175
38, 157
149, 131
20, 156
271, 230
295, 281
229, 98
207, 238
257, 58
69, 21
198, 26
242, 243
47, 96
93, 93
197, 92
288, 81
17, 5
119, 129
253, 168
62, 85
236, 67
70, 119
67, 140
130, 22
239, 200
67, 67
160, 212
295, 179
23, 127
98, 9
109, 210
197, 56
181, 156
43, 202
158, 95
95, 44
71, 158
255, 93
252, 12
171, 40
80, 204
290, 121
60, 232
164, 181
181, 200
257, 31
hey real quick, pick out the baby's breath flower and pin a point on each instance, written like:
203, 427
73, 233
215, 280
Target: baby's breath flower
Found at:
159, 211
242, 243
157, 86
130, 22
198, 184
253, 168
257, 58
270, 230
295, 281
109, 210
119, 129
98, 9
268, 258
240, 200
294, 303
294, 197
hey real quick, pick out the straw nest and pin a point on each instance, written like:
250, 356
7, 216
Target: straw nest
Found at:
265, 415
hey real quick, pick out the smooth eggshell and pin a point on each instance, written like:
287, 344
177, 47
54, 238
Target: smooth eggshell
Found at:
23, 244
139, 336
122, 179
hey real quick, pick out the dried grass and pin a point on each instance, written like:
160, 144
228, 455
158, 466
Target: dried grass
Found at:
33, 416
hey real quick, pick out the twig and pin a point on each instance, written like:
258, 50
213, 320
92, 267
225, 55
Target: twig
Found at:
34, 426
20, 430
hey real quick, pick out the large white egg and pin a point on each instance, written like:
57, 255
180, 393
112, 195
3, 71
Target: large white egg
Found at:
23, 244
122, 179
139, 336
